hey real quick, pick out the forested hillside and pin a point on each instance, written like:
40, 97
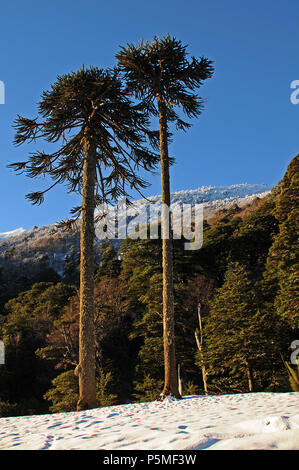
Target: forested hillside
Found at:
244, 283
39, 254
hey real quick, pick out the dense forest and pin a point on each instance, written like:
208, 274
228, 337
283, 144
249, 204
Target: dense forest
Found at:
236, 314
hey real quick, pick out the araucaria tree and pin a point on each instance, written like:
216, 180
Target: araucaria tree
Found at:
160, 74
100, 140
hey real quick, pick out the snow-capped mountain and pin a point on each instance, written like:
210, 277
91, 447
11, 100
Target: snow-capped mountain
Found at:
50, 244
212, 197
210, 194
12, 233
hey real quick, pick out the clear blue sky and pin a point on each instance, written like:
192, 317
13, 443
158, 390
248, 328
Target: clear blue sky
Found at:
249, 130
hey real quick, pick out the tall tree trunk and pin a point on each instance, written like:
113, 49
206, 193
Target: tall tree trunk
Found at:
86, 368
199, 342
170, 371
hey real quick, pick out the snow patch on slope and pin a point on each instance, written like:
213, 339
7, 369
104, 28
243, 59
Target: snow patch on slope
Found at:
12, 233
212, 197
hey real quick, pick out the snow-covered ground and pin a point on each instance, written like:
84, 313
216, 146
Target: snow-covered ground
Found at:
236, 422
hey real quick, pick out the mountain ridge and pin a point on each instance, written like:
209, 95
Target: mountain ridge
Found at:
216, 196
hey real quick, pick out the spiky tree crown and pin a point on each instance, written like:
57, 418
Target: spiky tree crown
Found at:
88, 105
161, 68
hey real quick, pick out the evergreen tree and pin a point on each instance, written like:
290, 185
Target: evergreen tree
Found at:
283, 264
110, 264
102, 142
253, 237
238, 337
160, 74
64, 393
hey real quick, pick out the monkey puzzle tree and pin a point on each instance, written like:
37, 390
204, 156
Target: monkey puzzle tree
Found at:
102, 140
160, 74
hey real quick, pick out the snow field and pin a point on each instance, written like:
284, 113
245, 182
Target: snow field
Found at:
241, 422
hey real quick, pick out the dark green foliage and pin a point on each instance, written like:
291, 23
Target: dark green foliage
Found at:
217, 248
9, 409
238, 337
90, 103
110, 264
253, 237
115, 353
19, 274
162, 67
283, 263
64, 393
24, 330
142, 270
46, 275
147, 390
233, 239
105, 386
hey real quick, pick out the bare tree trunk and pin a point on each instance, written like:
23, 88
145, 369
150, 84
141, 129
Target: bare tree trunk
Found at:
249, 376
199, 342
171, 382
180, 380
86, 367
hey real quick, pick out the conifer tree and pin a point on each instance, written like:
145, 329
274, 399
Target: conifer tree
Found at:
160, 74
102, 141
283, 263
237, 335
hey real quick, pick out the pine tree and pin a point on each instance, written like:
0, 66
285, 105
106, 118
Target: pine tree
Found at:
283, 263
238, 337
160, 74
102, 141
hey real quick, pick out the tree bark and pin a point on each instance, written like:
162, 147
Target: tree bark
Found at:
249, 376
170, 370
86, 367
199, 342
